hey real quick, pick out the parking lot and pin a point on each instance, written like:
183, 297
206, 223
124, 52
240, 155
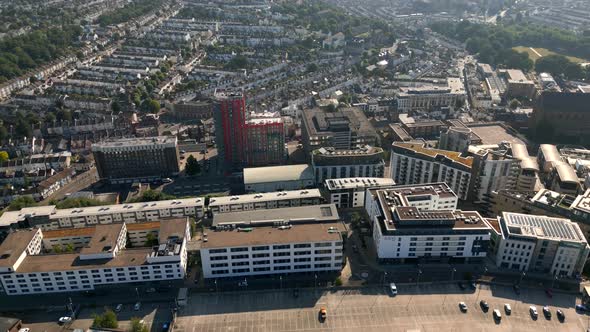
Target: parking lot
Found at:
423, 308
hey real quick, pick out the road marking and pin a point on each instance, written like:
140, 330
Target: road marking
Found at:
535, 51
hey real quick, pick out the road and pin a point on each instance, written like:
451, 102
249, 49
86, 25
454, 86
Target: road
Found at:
424, 308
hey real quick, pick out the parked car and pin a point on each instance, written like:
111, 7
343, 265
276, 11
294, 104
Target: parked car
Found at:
323, 314
484, 305
533, 311
463, 306
581, 307
24, 329
118, 308
137, 306
393, 289
507, 309
65, 320
497, 314
547, 312
560, 315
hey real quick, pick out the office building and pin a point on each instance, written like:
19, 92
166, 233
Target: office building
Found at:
427, 97
566, 113
542, 244
343, 129
278, 178
51, 218
27, 267
414, 163
136, 159
229, 113
403, 233
518, 84
329, 163
350, 192
289, 240
271, 200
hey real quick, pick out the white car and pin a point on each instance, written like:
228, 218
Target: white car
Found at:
137, 306
118, 308
533, 311
463, 306
24, 329
65, 320
507, 309
497, 314
393, 289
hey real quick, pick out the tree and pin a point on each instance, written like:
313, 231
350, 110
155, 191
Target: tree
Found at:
69, 248
57, 248
21, 202
192, 166
514, 103
3, 156
107, 320
151, 240
137, 325
153, 195
152, 106
355, 219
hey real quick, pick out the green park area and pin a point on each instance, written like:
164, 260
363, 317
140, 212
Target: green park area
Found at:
538, 52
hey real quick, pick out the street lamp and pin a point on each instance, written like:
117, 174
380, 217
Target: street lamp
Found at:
315, 284
418, 278
281, 279
384, 277
553, 281
216, 289
521, 277
453, 274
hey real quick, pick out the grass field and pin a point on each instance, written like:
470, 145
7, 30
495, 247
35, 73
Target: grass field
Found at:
535, 53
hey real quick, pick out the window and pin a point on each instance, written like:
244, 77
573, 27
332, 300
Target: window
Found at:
326, 258
281, 268
219, 265
321, 265
260, 269
260, 248
239, 256
322, 252
279, 254
302, 245
321, 245
260, 255
282, 246
264, 262
300, 267
281, 261
240, 263
302, 259
301, 253
236, 271
239, 249
217, 251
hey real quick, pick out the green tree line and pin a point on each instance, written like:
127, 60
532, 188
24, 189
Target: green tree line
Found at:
129, 11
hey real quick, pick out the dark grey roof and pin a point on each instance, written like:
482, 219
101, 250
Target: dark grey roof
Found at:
552, 101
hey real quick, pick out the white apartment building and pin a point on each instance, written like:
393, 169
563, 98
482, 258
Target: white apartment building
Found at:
541, 244
403, 233
413, 163
350, 192
49, 217
274, 200
27, 267
495, 169
424, 197
427, 97
289, 240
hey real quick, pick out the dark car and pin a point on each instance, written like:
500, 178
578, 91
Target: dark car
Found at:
547, 312
560, 315
581, 307
462, 286
484, 305
516, 289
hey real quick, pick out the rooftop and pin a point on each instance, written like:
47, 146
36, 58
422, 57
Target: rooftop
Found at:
137, 141
319, 121
13, 246
299, 172
298, 233
104, 239
419, 148
549, 152
281, 195
347, 183
299, 214
493, 133
582, 202
566, 172
542, 227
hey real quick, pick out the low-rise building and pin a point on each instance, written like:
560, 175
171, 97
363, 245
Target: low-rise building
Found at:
414, 163
271, 200
278, 241
430, 96
518, 84
555, 246
350, 192
27, 267
563, 178
50, 218
406, 233
278, 178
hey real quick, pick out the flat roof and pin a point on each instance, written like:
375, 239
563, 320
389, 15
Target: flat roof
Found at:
348, 183
136, 141
300, 172
298, 233
14, 245
582, 202
104, 239
323, 212
265, 197
542, 227
493, 134
549, 152
68, 232
433, 153
173, 227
